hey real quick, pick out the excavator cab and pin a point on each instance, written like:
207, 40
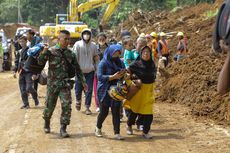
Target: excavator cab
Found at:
75, 29
61, 18
71, 20
47, 30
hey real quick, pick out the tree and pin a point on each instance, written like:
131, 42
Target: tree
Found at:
37, 12
178, 2
8, 11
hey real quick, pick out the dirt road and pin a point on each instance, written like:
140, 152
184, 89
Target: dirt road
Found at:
174, 130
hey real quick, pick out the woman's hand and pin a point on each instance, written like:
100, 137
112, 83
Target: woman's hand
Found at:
117, 75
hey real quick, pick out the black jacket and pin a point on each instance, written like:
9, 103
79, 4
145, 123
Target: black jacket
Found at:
20, 59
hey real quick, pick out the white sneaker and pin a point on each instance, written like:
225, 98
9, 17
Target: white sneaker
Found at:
140, 127
147, 136
98, 132
98, 109
129, 130
119, 137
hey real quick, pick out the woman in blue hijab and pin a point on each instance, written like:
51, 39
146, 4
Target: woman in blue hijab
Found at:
110, 70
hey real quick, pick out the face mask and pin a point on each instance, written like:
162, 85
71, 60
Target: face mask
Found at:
86, 37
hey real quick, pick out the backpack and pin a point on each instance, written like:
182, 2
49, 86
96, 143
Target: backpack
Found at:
222, 27
31, 64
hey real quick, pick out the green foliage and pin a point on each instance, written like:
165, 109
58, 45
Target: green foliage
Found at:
37, 12
210, 14
171, 3
8, 11
91, 19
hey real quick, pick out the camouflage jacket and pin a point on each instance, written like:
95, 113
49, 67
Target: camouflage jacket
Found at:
1, 50
58, 71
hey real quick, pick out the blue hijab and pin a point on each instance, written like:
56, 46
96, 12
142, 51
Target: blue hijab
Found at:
114, 64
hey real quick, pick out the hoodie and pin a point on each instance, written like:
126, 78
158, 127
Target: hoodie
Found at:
85, 53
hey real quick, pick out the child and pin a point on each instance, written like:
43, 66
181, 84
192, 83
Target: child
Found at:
129, 54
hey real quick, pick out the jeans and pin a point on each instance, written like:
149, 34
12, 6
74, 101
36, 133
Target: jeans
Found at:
79, 88
104, 111
147, 121
26, 86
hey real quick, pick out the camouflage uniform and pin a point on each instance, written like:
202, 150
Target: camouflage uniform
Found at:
58, 83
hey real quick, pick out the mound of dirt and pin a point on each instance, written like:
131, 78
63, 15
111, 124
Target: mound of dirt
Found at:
10, 29
193, 81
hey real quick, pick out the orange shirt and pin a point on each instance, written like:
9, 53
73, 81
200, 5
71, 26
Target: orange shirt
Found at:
164, 49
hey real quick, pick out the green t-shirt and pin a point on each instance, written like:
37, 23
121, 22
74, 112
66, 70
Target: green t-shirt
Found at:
136, 54
128, 55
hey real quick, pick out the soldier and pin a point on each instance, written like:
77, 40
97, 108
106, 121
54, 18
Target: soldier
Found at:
25, 76
59, 83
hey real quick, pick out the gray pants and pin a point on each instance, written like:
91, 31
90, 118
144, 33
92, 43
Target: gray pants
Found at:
26, 86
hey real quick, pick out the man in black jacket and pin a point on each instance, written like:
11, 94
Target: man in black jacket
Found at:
25, 76
32, 41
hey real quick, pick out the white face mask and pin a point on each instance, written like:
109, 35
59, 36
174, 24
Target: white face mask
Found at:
86, 37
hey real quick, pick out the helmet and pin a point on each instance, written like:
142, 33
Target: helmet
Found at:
142, 35
153, 34
162, 34
180, 34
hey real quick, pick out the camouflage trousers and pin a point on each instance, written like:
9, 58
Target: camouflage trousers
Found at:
64, 93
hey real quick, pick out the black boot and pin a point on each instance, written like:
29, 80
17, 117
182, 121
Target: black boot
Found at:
47, 126
36, 101
63, 132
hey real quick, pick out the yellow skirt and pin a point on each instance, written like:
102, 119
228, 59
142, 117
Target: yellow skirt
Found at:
142, 101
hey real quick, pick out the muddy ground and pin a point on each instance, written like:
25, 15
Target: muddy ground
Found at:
192, 81
189, 115
174, 129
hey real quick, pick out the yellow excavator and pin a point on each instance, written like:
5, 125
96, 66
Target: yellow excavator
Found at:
71, 21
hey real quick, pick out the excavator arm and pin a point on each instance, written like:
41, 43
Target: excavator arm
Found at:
109, 11
92, 4
73, 10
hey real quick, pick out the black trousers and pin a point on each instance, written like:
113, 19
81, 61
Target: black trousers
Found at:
167, 59
139, 117
36, 85
104, 111
146, 119
26, 86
